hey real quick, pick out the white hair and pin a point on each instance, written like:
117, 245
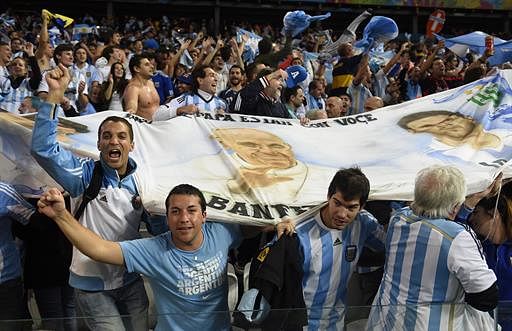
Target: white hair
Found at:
438, 191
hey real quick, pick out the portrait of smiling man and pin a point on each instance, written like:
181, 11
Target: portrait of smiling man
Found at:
104, 292
265, 166
248, 165
452, 129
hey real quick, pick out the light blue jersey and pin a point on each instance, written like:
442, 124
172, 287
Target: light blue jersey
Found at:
203, 101
90, 73
12, 208
72, 89
330, 258
315, 103
359, 94
190, 287
430, 264
11, 98
111, 214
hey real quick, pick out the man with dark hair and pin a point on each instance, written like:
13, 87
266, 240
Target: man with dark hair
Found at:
91, 74
75, 97
332, 240
186, 266
140, 96
294, 101
202, 98
262, 97
5, 57
252, 71
163, 84
109, 56
114, 213
345, 70
346, 100
62, 54
267, 55
433, 66
111, 38
434, 82
236, 83
17, 47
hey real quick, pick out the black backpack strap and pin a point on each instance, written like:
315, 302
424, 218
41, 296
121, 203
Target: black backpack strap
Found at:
92, 190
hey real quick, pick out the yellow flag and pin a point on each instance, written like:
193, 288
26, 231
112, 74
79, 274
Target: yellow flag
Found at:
58, 19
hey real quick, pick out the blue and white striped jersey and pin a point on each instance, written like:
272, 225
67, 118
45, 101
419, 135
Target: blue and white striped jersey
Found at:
380, 83
359, 94
90, 73
430, 264
204, 102
72, 90
330, 258
12, 208
4, 72
11, 98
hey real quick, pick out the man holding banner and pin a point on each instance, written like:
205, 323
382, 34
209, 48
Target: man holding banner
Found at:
186, 266
433, 264
114, 212
202, 98
262, 97
332, 239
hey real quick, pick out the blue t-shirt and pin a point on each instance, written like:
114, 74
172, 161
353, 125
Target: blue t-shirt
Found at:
190, 287
164, 86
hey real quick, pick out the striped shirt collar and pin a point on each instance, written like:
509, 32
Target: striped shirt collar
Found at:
207, 97
266, 97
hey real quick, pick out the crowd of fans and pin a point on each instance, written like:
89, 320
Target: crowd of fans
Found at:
160, 69
100, 65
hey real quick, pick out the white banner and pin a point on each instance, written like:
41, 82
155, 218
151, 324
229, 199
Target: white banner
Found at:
257, 169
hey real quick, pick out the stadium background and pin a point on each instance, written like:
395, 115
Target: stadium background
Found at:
462, 16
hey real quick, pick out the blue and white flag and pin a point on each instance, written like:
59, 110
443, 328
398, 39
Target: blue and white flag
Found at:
54, 36
80, 29
294, 22
251, 46
187, 60
475, 42
348, 36
379, 30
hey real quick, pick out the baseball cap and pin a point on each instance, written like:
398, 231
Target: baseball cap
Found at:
186, 78
151, 44
296, 74
254, 307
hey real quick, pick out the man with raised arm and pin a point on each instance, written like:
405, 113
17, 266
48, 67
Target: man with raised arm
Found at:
115, 213
186, 267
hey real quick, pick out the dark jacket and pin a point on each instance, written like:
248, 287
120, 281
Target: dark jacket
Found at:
251, 101
276, 272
